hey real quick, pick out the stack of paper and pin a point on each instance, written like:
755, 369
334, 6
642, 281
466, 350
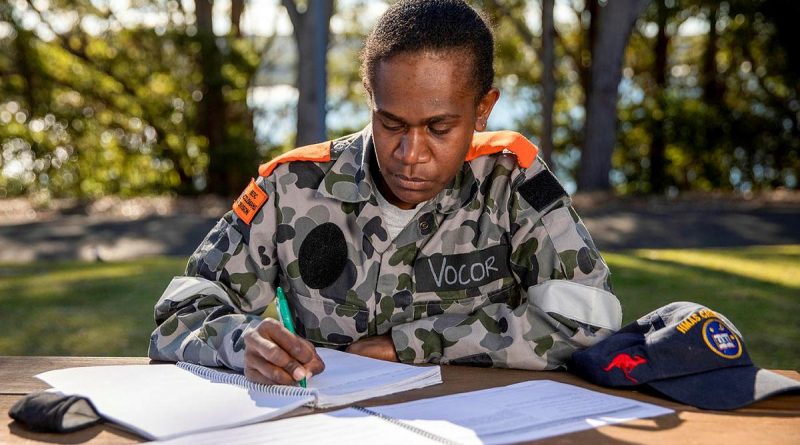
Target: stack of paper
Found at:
515, 413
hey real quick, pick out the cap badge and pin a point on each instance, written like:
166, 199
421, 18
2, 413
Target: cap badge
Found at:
721, 339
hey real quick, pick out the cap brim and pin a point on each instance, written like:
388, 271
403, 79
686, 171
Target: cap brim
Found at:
725, 388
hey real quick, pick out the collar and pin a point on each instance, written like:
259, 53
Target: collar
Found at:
349, 179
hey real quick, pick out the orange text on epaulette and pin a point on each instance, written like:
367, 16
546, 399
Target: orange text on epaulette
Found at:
249, 202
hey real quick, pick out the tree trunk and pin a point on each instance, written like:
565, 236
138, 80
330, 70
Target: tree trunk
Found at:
23, 51
311, 36
237, 8
658, 161
212, 105
588, 39
615, 22
548, 81
712, 90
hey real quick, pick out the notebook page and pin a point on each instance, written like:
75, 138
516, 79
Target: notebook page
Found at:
522, 412
348, 378
161, 401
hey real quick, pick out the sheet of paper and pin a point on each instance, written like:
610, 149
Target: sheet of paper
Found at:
521, 412
348, 426
348, 378
516, 413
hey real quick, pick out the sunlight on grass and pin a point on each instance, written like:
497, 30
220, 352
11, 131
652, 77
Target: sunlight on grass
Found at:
767, 264
75, 308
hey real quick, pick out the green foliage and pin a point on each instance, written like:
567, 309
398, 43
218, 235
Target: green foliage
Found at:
113, 109
91, 104
731, 124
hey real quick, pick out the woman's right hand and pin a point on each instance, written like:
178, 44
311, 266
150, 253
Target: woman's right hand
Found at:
273, 355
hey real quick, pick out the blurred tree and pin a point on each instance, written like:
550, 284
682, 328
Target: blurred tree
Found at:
548, 79
95, 103
311, 34
225, 122
658, 143
725, 115
615, 22
96, 100
519, 72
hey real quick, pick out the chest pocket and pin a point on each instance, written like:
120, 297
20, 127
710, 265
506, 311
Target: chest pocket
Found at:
327, 323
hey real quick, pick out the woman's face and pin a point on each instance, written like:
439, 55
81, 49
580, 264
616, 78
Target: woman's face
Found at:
424, 113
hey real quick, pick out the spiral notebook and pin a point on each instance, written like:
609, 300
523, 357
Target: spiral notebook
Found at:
165, 401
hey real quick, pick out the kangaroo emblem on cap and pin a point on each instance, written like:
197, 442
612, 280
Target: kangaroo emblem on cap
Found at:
626, 363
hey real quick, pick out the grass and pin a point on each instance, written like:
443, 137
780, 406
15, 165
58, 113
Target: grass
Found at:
74, 308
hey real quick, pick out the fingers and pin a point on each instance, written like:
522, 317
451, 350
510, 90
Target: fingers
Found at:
273, 355
300, 349
315, 366
266, 363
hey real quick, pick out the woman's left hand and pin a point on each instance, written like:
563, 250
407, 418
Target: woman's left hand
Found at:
380, 347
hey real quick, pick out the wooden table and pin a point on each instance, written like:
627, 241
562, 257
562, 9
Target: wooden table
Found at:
772, 421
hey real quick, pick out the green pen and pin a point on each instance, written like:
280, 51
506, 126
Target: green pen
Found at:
286, 318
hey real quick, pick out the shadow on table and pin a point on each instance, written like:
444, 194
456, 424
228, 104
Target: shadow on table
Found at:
76, 437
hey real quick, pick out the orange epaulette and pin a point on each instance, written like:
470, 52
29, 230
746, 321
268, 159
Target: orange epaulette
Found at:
317, 153
490, 142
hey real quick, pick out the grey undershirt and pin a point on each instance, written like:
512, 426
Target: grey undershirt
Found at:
395, 218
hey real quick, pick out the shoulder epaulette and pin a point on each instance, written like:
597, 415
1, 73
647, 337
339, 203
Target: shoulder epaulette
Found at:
316, 153
490, 142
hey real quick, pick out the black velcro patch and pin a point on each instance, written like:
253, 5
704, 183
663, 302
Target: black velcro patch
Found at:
542, 190
322, 256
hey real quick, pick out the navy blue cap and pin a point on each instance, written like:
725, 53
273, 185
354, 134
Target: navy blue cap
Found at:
685, 351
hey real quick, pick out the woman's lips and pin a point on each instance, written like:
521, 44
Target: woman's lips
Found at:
412, 183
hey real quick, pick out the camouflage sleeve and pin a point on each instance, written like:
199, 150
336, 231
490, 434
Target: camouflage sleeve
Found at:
227, 285
566, 301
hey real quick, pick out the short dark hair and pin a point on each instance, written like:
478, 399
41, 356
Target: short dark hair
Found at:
419, 25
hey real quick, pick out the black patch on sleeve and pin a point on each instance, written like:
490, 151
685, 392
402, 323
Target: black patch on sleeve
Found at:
542, 190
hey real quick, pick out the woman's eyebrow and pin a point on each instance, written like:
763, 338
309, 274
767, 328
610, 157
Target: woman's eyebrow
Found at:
441, 117
390, 116
429, 120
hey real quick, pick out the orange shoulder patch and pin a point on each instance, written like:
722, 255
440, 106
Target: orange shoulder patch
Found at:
318, 153
490, 142
249, 202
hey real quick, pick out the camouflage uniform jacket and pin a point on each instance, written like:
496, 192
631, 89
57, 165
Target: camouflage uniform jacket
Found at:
496, 270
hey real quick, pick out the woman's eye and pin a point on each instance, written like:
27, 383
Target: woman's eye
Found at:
391, 127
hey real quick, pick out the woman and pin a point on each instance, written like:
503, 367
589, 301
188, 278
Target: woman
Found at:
416, 239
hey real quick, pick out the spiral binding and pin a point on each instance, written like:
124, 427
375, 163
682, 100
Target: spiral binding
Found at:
240, 380
401, 424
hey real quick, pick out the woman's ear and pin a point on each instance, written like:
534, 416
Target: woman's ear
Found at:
484, 109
